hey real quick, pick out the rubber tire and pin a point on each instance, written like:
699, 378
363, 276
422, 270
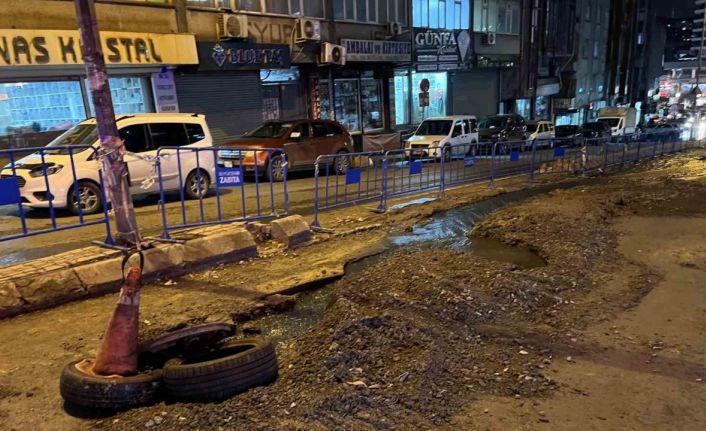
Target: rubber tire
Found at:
109, 393
188, 194
71, 195
222, 377
336, 167
268, 171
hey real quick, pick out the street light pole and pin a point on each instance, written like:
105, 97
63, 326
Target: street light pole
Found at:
112, 150
701, 49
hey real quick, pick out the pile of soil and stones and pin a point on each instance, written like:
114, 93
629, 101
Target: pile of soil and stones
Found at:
406, 342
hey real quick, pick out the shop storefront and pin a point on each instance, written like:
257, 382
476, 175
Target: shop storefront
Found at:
237, 85
441, 58
43, 89
362, 96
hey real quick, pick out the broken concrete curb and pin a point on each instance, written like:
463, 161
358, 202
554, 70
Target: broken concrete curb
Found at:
46, 289
291, 231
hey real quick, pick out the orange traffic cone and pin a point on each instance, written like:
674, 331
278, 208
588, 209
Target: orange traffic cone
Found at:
118, 353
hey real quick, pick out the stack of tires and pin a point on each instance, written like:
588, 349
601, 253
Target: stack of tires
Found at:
217, 372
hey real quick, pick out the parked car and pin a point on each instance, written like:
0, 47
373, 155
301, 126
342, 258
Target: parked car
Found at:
569, 135
596, 130
143, 135
542, 132
505, 127
443, 137
657, 131
298, 142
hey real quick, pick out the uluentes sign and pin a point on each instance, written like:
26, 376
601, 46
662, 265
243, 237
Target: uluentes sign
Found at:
62, 47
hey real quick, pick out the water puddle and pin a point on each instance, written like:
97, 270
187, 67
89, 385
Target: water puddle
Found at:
449, 229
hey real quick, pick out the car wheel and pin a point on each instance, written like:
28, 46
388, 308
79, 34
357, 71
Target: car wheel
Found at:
275, 171
235, 367
197, 185
79, 388
90, 195
446, 154
342, 162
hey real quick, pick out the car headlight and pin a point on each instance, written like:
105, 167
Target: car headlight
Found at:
50, 170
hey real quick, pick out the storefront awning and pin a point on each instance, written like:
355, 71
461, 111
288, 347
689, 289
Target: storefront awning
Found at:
548, 86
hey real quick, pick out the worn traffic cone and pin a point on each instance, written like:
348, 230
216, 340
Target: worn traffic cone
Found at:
118, 353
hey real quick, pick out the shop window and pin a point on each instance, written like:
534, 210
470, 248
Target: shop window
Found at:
523, 107
168, 135
135, 138
271, 109
128, 94
371, 102
437, 96
400, 99
346, 103
29, 109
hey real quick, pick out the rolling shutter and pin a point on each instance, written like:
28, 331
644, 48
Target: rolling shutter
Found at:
232, 102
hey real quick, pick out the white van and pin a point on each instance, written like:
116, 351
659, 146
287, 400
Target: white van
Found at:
143, 135
439, 136
622, 121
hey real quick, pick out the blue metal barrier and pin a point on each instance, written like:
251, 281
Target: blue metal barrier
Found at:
362, 179
192, 172
410, 170
58, 179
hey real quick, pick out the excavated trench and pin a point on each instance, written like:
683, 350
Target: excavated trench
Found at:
449, 229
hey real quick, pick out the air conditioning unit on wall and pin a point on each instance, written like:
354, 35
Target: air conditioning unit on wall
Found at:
333, 54
232, 26
394, 29
489, 38
308, 30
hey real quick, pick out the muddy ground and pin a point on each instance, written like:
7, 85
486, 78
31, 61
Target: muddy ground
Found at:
609, 334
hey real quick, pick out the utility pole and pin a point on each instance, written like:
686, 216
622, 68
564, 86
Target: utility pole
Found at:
112, 150
701, 54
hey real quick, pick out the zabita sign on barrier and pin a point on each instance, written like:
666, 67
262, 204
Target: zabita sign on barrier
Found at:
229, 177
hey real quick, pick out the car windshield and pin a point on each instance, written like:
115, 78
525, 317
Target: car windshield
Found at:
531, 128
81, 135
493, 123
271, 129
612, 122
434, 127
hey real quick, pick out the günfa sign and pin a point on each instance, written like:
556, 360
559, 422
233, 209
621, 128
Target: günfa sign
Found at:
441, 49
19, 47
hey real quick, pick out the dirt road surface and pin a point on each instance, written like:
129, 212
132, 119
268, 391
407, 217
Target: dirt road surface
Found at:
609, 334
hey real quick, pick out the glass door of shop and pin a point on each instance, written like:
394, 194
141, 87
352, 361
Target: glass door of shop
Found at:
346, 103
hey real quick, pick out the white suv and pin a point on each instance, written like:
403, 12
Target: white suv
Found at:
143, 135
445, 137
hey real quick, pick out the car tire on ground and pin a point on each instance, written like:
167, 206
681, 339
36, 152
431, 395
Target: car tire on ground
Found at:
235, 367
275, 168
191, 185
108, 393
446, 153
90, 195
342, 162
